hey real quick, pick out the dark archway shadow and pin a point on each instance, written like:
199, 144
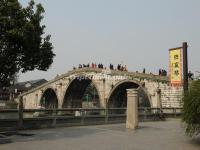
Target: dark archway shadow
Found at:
118, 97
49, 99
81, 93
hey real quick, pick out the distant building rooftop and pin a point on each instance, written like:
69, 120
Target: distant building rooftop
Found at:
27, 85
20, 87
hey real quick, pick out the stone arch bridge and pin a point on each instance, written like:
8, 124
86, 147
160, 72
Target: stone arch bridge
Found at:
99, 88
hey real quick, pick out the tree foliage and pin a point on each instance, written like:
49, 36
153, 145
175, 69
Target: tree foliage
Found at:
23, 46
191, 109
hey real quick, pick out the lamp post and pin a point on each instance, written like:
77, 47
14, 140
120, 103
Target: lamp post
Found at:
185, 68
12, 90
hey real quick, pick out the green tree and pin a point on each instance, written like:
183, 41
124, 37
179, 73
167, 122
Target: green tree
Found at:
23, 45
191, 109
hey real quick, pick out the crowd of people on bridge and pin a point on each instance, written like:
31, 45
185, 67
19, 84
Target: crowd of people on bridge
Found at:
92, 65
162, 72
120, 67
101, 66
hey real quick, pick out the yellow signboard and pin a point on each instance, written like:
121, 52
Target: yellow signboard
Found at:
175, 66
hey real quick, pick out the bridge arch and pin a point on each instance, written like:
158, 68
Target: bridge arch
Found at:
49, 98
81, 91
118, 95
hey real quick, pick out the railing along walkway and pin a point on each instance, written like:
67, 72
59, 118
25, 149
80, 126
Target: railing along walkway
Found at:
39, 118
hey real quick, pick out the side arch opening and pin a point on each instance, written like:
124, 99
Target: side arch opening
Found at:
49, 99
118, 96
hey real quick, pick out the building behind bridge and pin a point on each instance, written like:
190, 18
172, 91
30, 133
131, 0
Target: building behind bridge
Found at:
6, 93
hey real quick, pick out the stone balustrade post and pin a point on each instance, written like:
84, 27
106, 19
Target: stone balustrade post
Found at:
159, 103
132, 109
20, 113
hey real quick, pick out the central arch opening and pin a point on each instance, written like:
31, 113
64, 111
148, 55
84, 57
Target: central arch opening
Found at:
118, 97
81, 94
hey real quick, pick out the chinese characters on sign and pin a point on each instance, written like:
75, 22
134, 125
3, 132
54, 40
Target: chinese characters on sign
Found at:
175, 66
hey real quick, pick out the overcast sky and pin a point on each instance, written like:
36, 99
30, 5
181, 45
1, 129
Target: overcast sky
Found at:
137, 33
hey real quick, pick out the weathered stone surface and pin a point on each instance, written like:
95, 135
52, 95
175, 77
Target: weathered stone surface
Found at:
132, 109
105, 82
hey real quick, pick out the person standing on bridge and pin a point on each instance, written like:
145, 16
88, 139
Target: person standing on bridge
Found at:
159, 72
80, 66
190, 75
111, 67
125, 68
144, 71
